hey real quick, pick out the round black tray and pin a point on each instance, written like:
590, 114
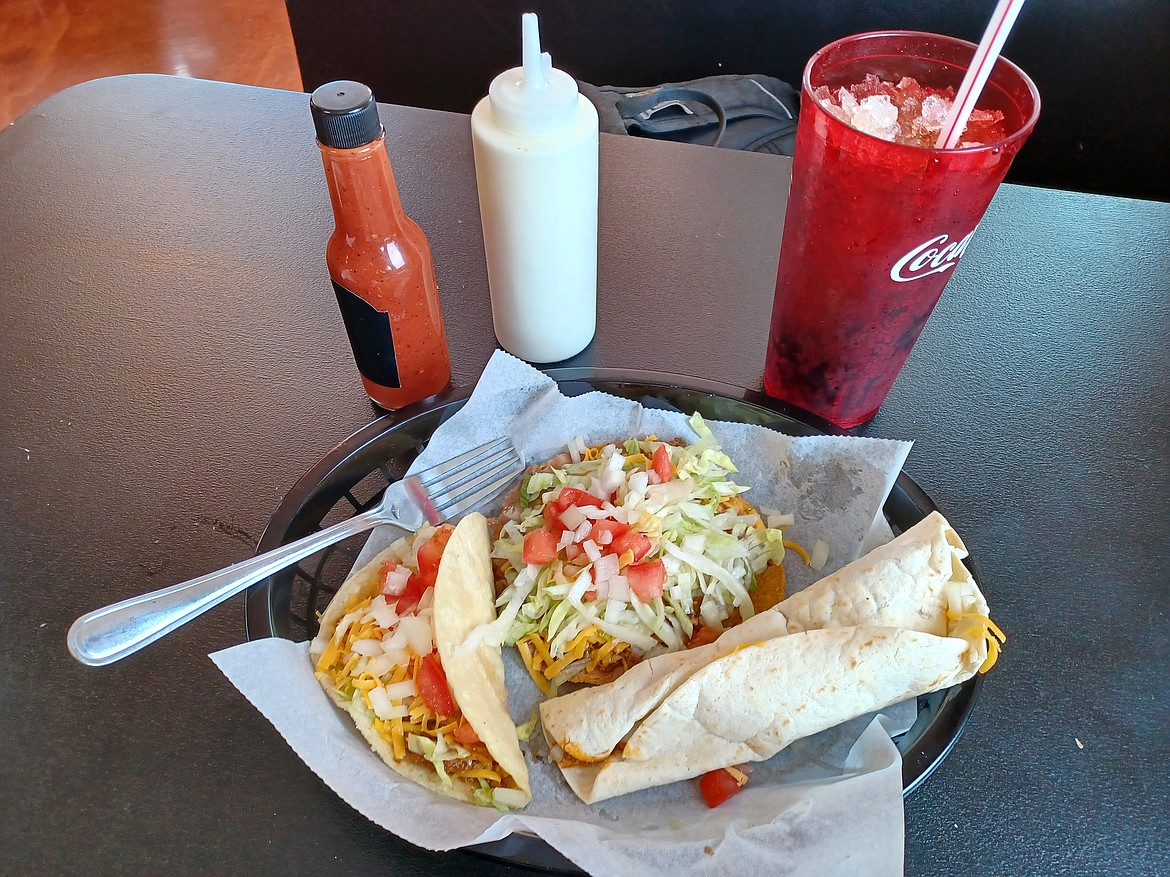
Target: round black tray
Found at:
352, 477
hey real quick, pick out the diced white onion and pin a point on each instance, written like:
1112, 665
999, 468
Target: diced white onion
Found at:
404, 690
399, 656
605, 567
572, 517
383, 614
577, 591
779, 522
396, 580
369, 647
820, 555
384, 663
396, 640
605, 537
576, 449
426, 601
377, 602
343, 625
418, 634
582, 531
565, 540
592, 512
619, 590
381, 702
397, 711
591, 550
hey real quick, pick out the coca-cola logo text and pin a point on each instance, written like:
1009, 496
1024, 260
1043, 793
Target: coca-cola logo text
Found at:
932, 257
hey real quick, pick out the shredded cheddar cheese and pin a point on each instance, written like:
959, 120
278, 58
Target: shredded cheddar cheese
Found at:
591, 643
479, 773
743, 646
525, 648
799, 549
338, 668
990, 631
738, 775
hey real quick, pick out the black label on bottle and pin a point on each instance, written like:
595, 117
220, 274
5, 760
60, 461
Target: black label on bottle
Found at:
370, 336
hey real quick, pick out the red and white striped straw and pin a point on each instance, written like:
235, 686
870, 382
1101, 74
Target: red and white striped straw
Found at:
981, 65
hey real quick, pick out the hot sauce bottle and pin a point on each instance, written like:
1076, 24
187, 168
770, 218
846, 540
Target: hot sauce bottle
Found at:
379, 259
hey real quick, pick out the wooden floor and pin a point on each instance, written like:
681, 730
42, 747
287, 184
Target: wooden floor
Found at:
48, 45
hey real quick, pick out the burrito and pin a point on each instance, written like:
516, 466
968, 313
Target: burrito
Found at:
612, 552
394, 652
903, 620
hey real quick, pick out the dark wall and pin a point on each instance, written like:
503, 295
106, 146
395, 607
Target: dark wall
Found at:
1102, 66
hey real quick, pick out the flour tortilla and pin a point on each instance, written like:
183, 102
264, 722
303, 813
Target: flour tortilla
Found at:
870, 635
463, 599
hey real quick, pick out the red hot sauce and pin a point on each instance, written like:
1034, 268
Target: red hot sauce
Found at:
379, 259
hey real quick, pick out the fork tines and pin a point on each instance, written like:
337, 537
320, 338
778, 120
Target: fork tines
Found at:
455, 486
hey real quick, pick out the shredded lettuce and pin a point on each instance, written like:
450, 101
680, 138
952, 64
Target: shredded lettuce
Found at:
523, 732
436, 752
711, 547
534, 485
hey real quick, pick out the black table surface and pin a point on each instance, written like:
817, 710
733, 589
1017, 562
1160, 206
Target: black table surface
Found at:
173, 361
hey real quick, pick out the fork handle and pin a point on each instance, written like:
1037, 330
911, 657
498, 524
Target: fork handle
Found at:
109, 634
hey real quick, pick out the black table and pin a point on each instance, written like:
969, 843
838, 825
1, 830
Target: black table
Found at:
173, 361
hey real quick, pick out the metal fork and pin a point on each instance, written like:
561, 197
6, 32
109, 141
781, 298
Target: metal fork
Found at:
442, 492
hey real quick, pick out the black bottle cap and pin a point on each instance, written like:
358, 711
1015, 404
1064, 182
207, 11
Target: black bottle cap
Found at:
345, 114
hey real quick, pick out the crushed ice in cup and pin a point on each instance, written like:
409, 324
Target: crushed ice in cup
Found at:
876, 115
906, 113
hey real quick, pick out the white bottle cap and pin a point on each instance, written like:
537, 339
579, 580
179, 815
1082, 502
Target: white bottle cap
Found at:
536, 98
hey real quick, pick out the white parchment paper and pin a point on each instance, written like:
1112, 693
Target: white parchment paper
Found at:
830, 804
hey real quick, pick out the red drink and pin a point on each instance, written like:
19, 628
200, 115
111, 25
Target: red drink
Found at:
874, 228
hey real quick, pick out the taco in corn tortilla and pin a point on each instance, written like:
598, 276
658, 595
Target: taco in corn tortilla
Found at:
611, 552
391, 652
903, 620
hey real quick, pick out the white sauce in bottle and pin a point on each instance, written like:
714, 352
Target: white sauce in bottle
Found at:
535, 141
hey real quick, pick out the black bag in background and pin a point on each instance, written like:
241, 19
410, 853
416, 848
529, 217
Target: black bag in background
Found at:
751, 112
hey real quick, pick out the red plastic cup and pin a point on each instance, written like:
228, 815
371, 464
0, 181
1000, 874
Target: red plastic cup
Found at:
874, 229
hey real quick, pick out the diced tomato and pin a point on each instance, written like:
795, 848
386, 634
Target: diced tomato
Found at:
464, 734
646, 579
661, 464
540, 546
431, 553
719, 785
702, 636
432, 685
552, 519
575, 496
416, 586
607, 525
639, 543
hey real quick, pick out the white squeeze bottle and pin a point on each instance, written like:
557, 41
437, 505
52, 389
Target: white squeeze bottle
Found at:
535, 140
